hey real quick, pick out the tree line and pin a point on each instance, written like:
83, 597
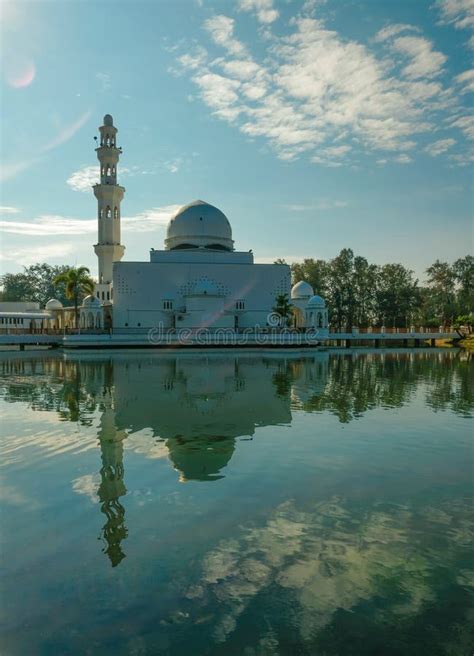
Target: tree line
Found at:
362, 294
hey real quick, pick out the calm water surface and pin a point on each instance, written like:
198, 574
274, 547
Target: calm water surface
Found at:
237, 504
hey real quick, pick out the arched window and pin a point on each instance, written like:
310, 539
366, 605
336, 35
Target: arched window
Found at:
97, 321
108, 212
90, 320
103, 295
116, 213
108, 296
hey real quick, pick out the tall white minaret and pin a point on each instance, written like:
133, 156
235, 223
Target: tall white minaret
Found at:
109, 196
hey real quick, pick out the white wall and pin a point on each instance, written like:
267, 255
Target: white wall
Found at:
141, 287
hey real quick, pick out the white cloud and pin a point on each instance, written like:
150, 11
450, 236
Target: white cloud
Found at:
403, 159
149, 220
321, 205
312, 86
221, 29
53, 225
459, 13
392, 30
439, 147
32, 254
83, 179
105, 80
465, 124
425, 62
263, 9
4, 209
466, 81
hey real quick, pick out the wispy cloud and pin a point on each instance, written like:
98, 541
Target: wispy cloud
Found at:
83, 179
4, 209
466, 81
53, 225
459, 13
12, 169
105, 80
439, 147
221, 29
31, 254
263, 9
314, 92
320, 205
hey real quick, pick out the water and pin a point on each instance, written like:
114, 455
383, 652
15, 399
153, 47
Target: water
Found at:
237, 504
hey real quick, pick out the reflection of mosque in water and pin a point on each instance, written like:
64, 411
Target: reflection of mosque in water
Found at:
197, 407
193, 408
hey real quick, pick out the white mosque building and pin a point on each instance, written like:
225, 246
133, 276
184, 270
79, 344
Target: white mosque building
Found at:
199, 280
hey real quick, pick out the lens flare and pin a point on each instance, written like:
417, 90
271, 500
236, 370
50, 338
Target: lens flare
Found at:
20, 73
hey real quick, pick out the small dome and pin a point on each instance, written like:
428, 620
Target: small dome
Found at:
302, 289
108, 120
53, 304
199, 225
91, 301
316, 301
205, 288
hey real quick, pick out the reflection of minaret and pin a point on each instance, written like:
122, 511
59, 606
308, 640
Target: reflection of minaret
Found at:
112, 486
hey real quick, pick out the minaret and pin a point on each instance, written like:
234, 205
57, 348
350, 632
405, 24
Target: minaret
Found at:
109, 196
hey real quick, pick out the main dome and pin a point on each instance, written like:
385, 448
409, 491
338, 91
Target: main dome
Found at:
199, 225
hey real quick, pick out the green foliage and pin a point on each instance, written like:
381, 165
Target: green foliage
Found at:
36, 283
283, 308
363, 294
77, 284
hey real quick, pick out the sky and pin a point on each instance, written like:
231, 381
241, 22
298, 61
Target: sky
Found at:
314, 125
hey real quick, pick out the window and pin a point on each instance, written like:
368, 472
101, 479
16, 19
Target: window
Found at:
240, 305
108, 296
116, 213
167, 305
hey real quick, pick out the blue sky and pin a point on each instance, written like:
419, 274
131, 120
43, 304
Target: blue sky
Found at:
314, 125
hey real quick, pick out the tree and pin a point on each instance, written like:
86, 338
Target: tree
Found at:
77, 283
441, 284
36, 283
283, 308
463, 270
397, 295
314, 272
365, 288
341, 289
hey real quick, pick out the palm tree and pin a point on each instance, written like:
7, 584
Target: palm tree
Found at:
283, 308
77, 284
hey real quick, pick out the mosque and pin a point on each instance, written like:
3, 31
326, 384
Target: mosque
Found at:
199, 280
